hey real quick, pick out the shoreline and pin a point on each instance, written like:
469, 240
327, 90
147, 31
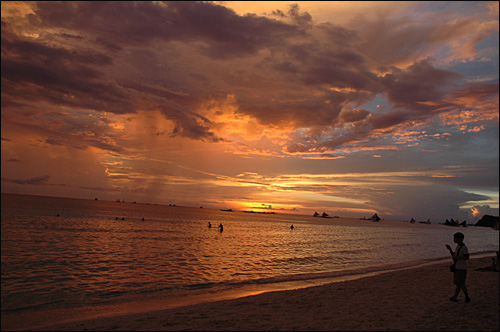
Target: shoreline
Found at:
37, 317
375, 302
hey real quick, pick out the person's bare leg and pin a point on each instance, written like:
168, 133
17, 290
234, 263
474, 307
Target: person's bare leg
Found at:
464, 289
457, 291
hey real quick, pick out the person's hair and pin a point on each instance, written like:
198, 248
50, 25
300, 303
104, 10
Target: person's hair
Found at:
459, 235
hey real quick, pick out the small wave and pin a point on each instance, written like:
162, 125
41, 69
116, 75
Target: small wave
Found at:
239, 274
360, 272
201, 286
34, 306
313, 277
344, 273
114, 293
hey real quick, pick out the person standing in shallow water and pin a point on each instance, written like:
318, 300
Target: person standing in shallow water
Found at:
460, 258
221, 228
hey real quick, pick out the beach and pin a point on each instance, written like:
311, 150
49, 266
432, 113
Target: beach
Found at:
405, 300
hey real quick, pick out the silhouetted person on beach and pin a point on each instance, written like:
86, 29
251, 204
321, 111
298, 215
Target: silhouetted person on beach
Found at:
221, 228
460, 258
291, 227
209, 225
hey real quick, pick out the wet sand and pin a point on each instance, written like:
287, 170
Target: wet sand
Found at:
406, 300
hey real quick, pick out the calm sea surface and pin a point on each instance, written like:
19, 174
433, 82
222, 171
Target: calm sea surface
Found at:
85, 256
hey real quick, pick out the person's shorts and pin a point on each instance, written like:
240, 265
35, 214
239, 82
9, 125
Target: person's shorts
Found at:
459, 277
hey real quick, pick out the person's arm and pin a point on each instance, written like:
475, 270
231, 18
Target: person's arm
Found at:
451, 252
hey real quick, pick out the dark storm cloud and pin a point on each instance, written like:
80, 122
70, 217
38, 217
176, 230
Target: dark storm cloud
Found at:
329, 138
304, 112
420, 82
341, 70
354, 115
328, 56
34, 72
79, 76
415, 94
176, 106
26, 50
122, 57
78, 130
388, 120
130, 22
188, 124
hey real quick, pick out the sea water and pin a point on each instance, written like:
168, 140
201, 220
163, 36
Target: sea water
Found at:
74, 252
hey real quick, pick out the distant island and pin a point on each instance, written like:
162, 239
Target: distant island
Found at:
375, 217
488, 221
263, 212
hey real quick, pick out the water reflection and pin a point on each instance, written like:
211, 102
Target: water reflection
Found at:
87, 254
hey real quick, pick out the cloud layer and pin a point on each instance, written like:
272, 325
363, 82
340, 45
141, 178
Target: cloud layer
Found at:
119, 80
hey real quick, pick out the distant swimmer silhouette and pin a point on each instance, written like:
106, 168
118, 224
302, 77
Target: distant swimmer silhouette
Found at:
221, 228
209, 225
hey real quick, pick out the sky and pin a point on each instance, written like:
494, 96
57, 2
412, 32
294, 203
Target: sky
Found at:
351, 108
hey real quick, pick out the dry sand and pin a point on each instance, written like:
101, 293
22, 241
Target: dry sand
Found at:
407, 300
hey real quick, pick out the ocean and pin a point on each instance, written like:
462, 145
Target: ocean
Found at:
72, 253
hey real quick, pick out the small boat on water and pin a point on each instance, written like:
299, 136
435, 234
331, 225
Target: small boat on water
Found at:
324, 215
227, 210
452, 222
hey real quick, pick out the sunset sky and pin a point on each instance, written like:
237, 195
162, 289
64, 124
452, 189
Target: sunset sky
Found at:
346, 107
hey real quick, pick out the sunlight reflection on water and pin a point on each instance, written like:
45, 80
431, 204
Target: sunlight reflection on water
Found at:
87, 255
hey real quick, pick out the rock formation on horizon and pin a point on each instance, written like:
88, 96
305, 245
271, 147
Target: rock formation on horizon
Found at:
487, 221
